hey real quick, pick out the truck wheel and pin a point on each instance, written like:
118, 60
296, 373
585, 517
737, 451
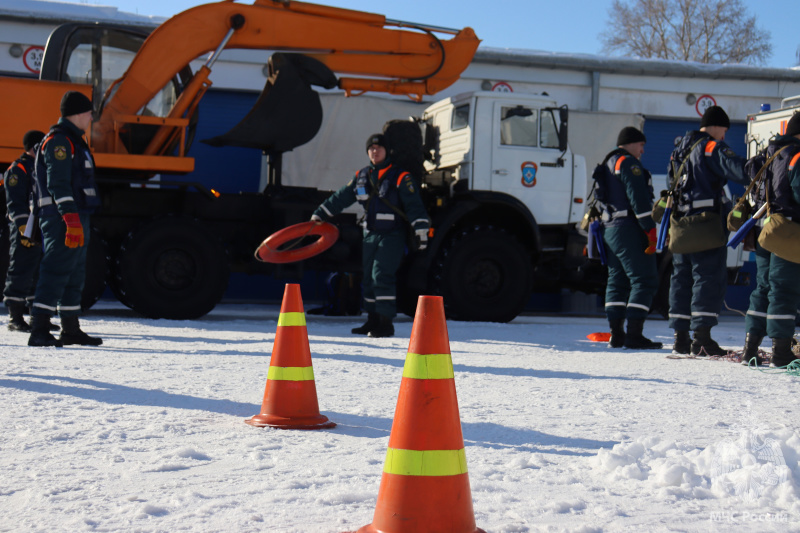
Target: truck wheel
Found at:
96, 271
171, 268
483, 274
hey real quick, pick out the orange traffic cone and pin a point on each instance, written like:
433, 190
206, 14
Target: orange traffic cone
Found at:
425, 485
290, 398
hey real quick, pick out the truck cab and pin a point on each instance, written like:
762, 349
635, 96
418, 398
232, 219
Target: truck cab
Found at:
511, 144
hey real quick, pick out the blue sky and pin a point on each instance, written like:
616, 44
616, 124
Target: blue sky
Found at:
569, 26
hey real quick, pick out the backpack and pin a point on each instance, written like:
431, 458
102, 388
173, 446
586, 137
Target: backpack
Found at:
600, 182
405, 139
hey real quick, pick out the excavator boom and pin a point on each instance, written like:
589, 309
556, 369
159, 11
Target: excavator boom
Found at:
380, 54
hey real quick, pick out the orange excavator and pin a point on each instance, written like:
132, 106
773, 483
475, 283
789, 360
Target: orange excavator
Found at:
166, 247
142, 116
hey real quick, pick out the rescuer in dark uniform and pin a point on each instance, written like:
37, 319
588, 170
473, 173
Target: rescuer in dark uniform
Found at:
64, 197
24, 252
697, 286
776, 298
629, 235
391, 203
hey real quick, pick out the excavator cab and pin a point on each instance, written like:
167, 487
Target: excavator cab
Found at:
99, 55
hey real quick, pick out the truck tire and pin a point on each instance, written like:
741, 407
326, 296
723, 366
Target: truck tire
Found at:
483, 274
171, 268
97, 271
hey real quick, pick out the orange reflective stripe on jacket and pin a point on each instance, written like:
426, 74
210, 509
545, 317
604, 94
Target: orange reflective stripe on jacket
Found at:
618, 164
710, 145
400, 177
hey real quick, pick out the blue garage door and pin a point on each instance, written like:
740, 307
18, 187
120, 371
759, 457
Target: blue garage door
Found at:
226, 169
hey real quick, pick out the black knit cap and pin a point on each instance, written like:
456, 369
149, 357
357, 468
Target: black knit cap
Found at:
793, 127
31, 138
74, 103
629, 134
715, 116
377, 138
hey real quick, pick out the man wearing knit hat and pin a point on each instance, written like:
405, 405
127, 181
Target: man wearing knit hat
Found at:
391, 204
697, 286
24, 252
65, 195
776, 298
629, 235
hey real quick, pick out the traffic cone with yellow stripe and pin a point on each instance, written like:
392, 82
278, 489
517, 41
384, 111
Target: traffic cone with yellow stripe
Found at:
290, 397
425, 485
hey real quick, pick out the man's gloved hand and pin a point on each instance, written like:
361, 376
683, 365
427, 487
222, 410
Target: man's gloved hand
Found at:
421, 238
74, 236
316, 218
652, 239
23, 240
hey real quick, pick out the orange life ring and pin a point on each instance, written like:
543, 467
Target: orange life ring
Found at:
269, 251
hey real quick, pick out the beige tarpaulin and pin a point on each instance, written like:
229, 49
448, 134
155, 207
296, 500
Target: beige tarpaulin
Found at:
338, 151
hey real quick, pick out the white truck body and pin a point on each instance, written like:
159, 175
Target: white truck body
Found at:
763, 126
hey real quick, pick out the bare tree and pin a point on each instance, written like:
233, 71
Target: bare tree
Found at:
705, 31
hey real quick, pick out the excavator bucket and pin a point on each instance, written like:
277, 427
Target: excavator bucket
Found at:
288, 112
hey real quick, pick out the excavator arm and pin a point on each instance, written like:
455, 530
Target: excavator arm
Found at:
381, 55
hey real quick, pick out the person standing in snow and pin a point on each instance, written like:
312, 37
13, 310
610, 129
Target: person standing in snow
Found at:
629, 235
24, 252
699, 279
65, 196
391, 203
776, 298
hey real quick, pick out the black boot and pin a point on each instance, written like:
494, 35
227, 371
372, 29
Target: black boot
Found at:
751, 344
617, 339
71, 333
634, 338
782, 353
40, 332
384, 327
372, 321
683, 342
703, 345
15, 321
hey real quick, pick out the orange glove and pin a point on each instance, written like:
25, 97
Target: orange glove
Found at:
652, 239
74, 236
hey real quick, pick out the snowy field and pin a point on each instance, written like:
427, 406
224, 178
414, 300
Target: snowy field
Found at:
146, 433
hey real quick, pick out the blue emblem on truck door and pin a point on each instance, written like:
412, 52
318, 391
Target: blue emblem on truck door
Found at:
529, 169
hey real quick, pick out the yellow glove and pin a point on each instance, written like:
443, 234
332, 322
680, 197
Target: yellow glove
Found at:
23, 240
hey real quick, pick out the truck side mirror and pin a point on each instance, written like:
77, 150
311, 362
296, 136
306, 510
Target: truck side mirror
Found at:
563, 118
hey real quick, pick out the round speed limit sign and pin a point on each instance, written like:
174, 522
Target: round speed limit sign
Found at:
703, 103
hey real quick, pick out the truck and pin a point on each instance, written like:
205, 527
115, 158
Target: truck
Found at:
500, 182
765, 125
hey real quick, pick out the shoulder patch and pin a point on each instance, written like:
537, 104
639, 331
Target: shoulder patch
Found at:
409, 184
60, 152
12, 180
728, 152
636, 170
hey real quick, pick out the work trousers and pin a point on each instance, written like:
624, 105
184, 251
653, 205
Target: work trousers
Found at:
23, 268
775, 300
632, 274
62, 271
697, 289
382, 254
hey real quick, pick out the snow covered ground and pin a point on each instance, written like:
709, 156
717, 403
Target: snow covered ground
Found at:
146, 433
